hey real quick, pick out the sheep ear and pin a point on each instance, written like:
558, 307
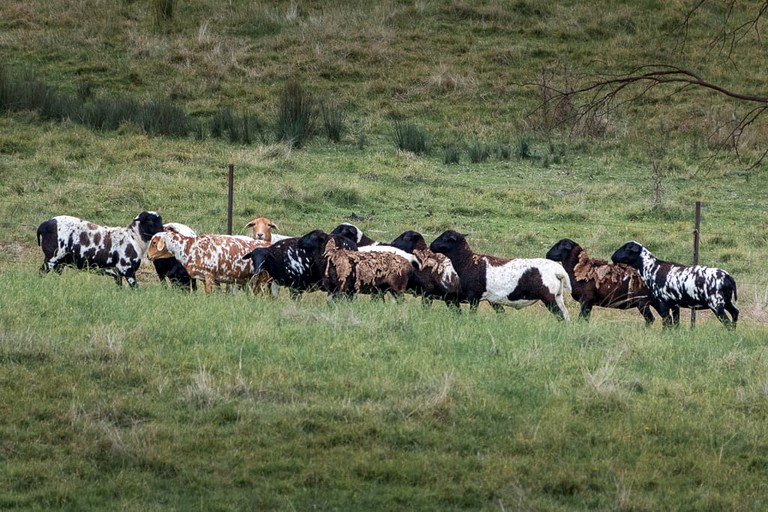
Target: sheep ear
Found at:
250, 224
274, 226
160, 244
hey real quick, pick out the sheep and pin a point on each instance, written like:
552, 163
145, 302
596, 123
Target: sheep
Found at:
214, 258
352, 232
262, 229
347, 272
501, 281
366, 244
597, 282
115, 251
171, 268
674, 285
290, 265
436, 277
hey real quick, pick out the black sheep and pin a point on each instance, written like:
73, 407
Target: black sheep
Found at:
436, 278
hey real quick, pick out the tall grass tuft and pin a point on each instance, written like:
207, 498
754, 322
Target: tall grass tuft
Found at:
451, 154
333, 121
478, 152
409, 137
163, 117
245, 129
163, 11
296, 113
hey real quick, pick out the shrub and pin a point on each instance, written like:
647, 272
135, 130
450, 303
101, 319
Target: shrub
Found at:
295, 120
479, 152
409, 137
163, 10
524, 151
163, 117
451, 154
333, 121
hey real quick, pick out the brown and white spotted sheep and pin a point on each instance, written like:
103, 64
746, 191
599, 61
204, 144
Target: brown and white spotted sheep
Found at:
516, 282
170, 269
597, 282
115, 251
674, 286
215, 259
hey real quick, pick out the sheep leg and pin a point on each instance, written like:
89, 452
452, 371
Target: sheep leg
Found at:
560, 312
675, 316
727, 322
473, 304
734, 313
209, 284
665, 314
646, 312
586, 311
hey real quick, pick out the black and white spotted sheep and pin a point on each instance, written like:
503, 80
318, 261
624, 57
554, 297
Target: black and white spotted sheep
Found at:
674, 285
116, 251
291, 265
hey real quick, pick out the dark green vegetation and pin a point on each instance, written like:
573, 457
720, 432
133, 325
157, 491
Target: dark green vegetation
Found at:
154, 399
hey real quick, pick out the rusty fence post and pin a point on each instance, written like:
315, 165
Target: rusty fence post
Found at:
696, 232
231, 180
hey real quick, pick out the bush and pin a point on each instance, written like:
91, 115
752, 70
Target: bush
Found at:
295, 120
451, 155
333, 121
479, 152
409, 137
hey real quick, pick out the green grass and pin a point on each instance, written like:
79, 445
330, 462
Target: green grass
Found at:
159, 399
153, 399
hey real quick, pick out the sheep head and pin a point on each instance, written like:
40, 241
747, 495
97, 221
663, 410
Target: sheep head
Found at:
157, 247
262, 229
630, 253
561, 250
409, 241
448, 242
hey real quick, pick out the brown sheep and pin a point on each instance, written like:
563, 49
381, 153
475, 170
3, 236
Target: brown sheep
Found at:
597, 282
350, 272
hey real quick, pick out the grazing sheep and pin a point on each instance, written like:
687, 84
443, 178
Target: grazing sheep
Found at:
674, 285
170, 268
347, 272
290, 265
514, 282
216, 259
352, 232
115, 251
597, 282
436, 278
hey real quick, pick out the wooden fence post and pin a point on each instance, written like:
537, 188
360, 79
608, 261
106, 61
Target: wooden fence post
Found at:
229, 199
696, 227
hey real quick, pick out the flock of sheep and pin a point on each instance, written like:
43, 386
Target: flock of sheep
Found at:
345, 262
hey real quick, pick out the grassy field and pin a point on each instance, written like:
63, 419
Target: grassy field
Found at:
155, 399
